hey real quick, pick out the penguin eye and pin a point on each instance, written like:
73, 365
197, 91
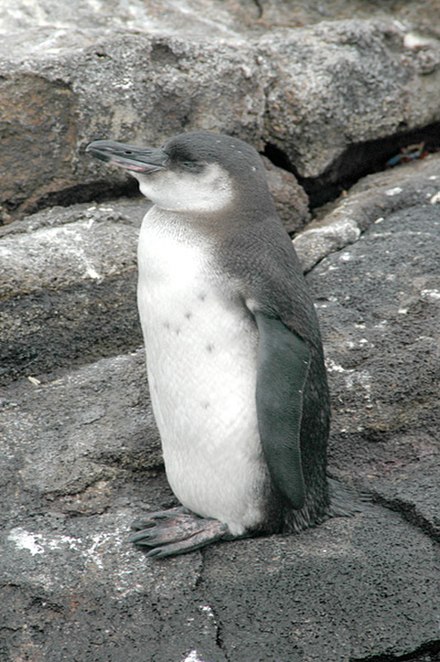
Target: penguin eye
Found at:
192, 165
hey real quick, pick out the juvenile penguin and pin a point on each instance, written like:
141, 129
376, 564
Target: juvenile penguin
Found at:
234, 356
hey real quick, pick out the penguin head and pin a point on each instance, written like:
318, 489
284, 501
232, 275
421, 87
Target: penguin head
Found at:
198, 172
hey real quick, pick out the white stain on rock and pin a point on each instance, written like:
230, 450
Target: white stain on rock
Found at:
36, 543
193, 657
393, 191
206, 609
430, 294
332, 366
362, 379
28, 541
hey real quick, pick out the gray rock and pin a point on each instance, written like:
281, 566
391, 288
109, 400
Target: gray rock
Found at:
378, 302
68, 287
413, 489
336, 593
146, 79
372, 200
92, 426
333, 593
221, 19
342, 84
84, 593
80, 460
134, 87
290, 198
417, 15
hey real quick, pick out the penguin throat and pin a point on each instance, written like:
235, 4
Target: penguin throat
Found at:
203, 193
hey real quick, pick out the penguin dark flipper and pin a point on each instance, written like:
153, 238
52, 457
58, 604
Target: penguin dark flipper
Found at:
175, 531
283, 363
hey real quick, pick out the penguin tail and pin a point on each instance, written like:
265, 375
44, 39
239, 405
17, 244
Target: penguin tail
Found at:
346, 501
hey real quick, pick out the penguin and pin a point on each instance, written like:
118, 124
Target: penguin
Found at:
233, 348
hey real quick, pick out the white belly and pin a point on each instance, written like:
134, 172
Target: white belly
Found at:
201, 360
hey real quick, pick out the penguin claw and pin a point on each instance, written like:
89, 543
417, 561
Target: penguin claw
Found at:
184, 546
175, 532
141, 537
176, 549
141, 524
151, 519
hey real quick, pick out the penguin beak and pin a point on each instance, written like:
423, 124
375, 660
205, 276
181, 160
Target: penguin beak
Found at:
130, 157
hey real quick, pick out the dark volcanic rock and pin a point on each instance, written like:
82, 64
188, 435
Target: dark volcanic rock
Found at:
93, 427
80, 460
370, 201
334, 593
379, 305
379, 302
80, 455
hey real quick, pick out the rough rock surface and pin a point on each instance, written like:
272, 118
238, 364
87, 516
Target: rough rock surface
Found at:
370, 201
80, 458
327, 91
68, 286
219, 18
309, 93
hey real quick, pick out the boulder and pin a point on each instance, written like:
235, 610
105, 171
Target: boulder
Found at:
370, 201
319, 98
68, 287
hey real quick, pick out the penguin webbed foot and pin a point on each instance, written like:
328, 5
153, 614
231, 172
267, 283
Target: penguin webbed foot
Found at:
175, 531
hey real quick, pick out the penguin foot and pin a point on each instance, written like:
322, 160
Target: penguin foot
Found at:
175, 531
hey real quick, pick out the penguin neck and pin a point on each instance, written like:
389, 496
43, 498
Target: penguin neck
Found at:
210, 228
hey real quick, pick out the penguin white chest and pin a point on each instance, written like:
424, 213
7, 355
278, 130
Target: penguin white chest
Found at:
201, 345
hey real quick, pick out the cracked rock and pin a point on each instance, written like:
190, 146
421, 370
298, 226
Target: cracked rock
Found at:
370, 201
311, 92
80, 455
81, 460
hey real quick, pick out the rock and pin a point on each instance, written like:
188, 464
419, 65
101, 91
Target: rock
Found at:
108, 433
334, 593
412, 488
80, 460
63, 85
98, 598
337, 594
290, 198
68, 287
221, 19
372, 200
418, 15
355, 93
379, 301
112, 85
